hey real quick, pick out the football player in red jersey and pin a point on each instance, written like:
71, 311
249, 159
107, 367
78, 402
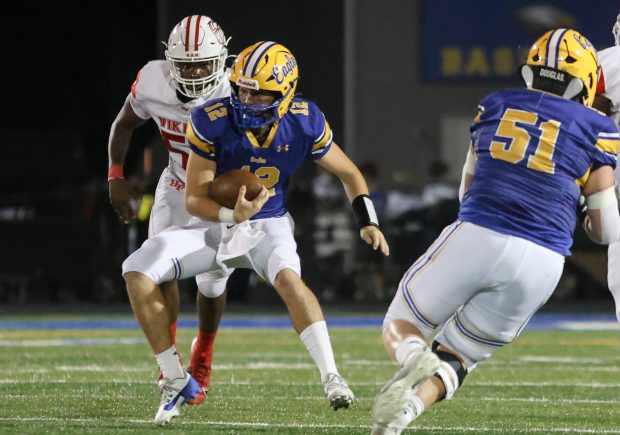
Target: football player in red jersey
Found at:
608, 101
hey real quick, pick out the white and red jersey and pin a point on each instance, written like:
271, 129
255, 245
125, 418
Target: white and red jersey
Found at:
153, 95
609, 79
609, 87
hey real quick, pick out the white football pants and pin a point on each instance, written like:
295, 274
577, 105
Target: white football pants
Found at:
482, 286
265, 245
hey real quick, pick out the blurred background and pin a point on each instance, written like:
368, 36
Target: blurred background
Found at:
398, 80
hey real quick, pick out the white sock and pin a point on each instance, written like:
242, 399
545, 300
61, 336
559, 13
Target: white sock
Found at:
316, 339
407, 347
169, 363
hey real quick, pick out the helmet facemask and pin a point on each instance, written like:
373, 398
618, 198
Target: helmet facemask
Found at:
248, 116
196, 53
263, 67
203, 85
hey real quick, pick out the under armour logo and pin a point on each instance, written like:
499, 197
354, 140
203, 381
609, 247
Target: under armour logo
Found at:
282, 148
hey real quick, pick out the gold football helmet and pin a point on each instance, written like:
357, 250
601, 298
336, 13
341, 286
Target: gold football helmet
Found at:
565, 63
265, 66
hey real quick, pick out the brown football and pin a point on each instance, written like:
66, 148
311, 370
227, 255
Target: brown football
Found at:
225, 187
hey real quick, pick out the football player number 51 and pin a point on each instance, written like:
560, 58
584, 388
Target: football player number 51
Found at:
519, 140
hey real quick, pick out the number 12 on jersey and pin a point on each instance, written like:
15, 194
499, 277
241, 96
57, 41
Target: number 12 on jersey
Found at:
269, 175
519, 140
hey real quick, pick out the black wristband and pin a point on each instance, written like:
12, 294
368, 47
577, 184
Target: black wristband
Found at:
365, 211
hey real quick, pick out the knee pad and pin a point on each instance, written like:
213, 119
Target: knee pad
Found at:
451, 371
212, 284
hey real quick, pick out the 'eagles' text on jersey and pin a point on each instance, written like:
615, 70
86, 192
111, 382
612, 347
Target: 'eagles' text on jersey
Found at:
534, 153
302, 133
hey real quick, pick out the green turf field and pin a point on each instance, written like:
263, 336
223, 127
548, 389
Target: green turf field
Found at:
103, 381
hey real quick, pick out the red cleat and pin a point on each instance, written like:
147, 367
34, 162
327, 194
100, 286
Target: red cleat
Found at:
200, 369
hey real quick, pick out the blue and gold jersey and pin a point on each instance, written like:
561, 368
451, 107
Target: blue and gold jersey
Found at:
303, 133
535, 151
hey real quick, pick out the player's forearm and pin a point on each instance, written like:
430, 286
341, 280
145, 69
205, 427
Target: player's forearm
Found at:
118, 144
354, 184
201, 206
121, 131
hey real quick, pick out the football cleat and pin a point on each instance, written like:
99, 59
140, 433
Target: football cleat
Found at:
160, 382
201, 372
395, 396
337, 391
174, 393
397, 426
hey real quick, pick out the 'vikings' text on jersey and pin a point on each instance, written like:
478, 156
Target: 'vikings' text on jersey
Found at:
153, 95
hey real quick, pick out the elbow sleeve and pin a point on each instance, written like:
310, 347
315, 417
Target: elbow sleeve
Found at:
606, 203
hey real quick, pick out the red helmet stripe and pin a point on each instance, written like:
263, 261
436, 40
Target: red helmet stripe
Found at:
187, 26
197, 33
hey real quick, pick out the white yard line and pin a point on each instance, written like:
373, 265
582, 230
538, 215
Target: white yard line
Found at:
318, 398
417, 428
224, 381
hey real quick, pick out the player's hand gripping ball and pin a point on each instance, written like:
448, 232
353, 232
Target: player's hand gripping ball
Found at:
225, 187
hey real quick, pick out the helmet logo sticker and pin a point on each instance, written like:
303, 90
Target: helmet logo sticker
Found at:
247, 83
581, 40
218, 32
281, 72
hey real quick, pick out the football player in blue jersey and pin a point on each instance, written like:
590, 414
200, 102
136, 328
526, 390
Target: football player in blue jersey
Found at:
263, 128
533, 152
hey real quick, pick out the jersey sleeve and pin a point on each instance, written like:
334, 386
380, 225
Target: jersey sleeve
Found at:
609, 78
320, 133
135, 98
197, 140
606, 146
204, 124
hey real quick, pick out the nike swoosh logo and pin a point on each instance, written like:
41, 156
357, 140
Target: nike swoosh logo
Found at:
230, 226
